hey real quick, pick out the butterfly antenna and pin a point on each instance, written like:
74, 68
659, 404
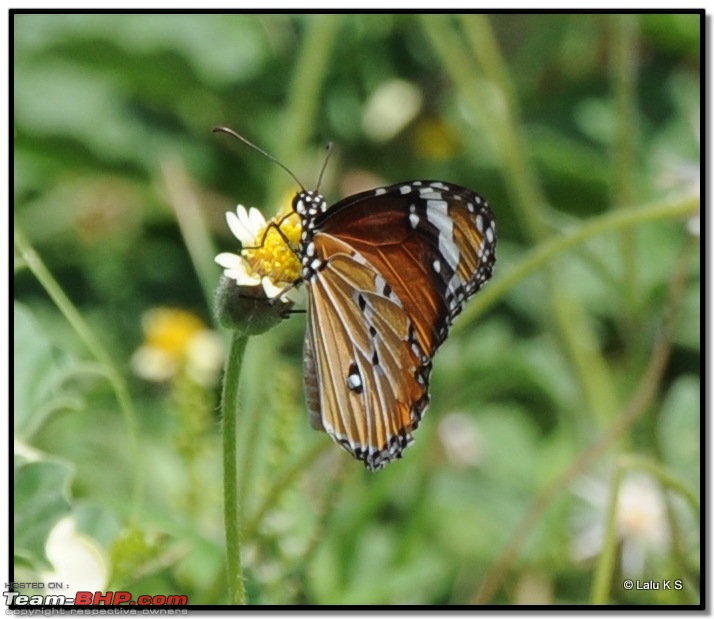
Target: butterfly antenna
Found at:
230, 131
324, 165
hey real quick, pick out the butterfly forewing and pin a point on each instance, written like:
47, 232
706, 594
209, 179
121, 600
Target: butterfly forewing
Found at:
392, 267
432, 243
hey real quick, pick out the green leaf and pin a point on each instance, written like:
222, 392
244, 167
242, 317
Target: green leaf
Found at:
38, 376
41, 500
679, 430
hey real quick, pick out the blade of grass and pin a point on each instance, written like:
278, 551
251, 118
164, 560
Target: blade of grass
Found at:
298, 122
624, 76
98, 351
460, 60
555, 248
182, 198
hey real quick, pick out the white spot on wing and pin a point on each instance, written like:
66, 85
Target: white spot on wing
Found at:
354, 381
429, 193
379, 282
479, 223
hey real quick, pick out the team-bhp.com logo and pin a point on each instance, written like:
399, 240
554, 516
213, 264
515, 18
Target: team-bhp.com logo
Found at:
87, 598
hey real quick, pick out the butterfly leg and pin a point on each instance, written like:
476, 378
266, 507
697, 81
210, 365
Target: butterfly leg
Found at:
272, 224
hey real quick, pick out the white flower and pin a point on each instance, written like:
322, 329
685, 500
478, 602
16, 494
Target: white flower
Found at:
78, 561
640, 519
204, 357
461, 439
245, 225
266, 259
693, 225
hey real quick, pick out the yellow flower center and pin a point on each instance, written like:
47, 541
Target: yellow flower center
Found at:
273, 258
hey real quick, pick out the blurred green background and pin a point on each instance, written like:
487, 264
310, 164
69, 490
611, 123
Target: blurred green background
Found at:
560, 454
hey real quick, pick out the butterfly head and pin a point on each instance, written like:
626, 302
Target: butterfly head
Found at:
309, 204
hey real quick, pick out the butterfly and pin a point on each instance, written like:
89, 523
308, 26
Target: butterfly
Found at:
386, 272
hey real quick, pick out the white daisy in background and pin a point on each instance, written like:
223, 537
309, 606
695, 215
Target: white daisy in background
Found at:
640, 518
390, 108
266, 259
462, 440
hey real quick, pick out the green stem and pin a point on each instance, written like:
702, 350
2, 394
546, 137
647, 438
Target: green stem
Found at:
548, 251
231, 507
529, 198
624, 83
606, 562
488, 93
96, 349
310, 72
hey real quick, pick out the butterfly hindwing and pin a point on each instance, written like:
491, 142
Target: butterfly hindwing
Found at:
362, 361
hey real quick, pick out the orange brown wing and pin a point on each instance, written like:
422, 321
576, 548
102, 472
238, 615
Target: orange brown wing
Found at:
394, 267
363, 373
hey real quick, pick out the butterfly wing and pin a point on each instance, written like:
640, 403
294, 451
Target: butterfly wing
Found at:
365, 384
432, 243
398, 266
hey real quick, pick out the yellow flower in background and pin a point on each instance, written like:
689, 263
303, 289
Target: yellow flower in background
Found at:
434, 139
177, 341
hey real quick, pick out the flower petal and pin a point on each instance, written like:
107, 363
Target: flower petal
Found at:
257, 220
154, 364
228, 260
272, 291
238, 269
76, 559
242, 213
239, 229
